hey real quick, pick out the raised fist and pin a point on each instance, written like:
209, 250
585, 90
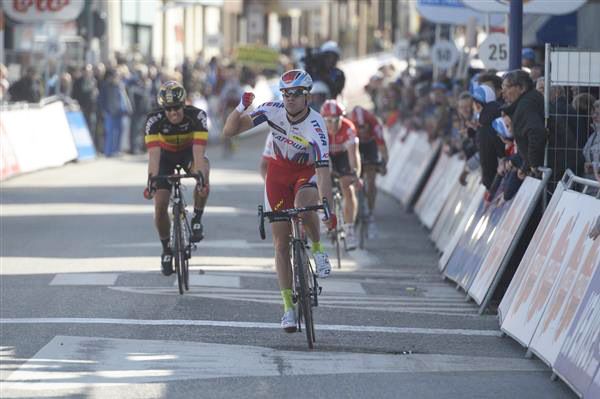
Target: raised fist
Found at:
245, 102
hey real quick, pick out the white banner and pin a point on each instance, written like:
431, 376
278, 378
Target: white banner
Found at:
542, 278
552, 7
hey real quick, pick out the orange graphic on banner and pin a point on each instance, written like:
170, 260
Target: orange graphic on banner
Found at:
583, 280
567, 280
552, 270
537, 263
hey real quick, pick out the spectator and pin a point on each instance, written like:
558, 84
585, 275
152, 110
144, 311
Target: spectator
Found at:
85, 92
319, 93
526, 109
328, 72
28, 88
537, 71
113, 103
442, 112
583, 103
139, 91
486, 110
229, 98
494, 82
527, 57
591, 150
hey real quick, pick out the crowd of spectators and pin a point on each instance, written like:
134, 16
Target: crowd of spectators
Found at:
495, 121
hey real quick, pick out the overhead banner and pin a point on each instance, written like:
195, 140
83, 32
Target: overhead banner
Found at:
453, 12
540, 281
504, 235
579, 357
542, 234
551, 7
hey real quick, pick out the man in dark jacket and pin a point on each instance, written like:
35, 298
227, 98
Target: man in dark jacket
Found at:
525, 106
490, 146
28, 88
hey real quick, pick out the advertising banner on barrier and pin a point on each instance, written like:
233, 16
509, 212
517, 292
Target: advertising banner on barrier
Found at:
579, 357
542, 234
474, 243
506, 233
417, 163
81, 135
453, 211
593, 391
572, 286
549, 261
438, 188
41, 137
403, 147
8, 160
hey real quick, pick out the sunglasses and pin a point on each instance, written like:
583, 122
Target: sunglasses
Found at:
332, 120
173, 108
293, 92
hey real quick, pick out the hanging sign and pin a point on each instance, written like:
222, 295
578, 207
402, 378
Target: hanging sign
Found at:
444, 54
493, 52
31, 11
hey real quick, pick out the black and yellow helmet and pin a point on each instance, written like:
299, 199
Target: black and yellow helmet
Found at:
171, 93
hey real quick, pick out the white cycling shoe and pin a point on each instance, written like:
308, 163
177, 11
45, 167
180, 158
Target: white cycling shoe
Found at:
288, 321
323, 268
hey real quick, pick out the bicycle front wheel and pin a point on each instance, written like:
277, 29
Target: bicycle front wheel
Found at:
337, 206
179, 249
301, 268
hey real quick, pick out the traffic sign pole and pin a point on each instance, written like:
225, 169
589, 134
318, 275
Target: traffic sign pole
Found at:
516, 33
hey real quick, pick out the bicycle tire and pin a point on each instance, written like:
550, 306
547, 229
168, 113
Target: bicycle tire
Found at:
338, 238
187, 253
304, 295
362, 228
178, 249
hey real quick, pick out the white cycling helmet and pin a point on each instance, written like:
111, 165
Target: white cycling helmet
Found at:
331, 47
320, 87
296, 78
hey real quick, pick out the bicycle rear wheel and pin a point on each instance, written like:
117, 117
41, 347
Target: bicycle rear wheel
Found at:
304, 295
179, 249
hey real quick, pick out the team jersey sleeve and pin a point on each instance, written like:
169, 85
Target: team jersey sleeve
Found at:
320, 143
351, 136
151, 131
261, 115
200, 127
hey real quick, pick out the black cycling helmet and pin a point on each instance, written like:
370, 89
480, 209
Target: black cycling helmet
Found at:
170, 94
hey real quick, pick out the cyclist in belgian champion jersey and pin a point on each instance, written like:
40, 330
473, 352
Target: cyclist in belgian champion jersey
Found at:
175, 134
298, 175
345, 161
373, 152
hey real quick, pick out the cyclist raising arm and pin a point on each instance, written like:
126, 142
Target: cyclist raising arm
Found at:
175, 134
345, 160
301, 159
373, 150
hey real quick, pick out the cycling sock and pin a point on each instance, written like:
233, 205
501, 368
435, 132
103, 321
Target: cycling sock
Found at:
316, 247
165, 244
287, 299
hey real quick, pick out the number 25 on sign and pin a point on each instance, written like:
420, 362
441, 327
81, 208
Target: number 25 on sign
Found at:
493, 52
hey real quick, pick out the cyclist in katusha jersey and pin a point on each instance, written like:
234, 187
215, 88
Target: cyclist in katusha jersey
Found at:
345, 160
372, 151
297, 176
175, 134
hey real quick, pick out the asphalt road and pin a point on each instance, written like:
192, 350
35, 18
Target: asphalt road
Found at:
85, 311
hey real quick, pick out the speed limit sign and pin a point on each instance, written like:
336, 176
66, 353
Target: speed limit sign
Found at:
493, 52
444, 54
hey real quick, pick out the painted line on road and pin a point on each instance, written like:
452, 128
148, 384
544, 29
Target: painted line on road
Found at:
86, 209
242, 324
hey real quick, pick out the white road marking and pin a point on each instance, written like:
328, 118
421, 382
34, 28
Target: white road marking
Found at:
112, 364
331, 285
81, 208
212, 280
229, 244
85, 279
243, 324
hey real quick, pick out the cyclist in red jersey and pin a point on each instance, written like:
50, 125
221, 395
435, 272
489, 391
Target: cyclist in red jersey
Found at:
345, 160
372, 151
298, 174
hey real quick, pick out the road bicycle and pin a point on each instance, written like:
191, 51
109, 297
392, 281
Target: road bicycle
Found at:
305, 288
337, 235
180, 225
362, 217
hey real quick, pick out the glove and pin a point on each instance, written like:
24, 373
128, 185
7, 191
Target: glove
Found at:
149, 192
245, 102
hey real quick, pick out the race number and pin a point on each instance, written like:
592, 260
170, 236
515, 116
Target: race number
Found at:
444, 54
493, 52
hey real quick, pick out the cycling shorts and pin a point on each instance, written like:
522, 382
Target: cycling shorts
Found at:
341, 164
169, 160
369, 153
282, 184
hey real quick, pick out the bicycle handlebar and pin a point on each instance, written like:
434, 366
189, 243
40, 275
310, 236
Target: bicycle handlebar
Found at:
175, 176
289, 214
